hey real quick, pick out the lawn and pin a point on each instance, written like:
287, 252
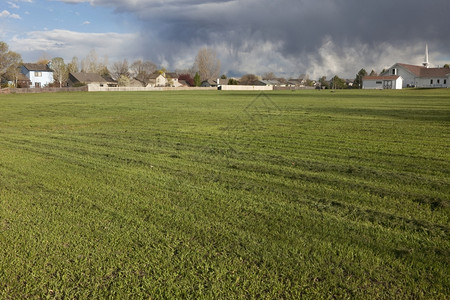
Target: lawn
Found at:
225, 195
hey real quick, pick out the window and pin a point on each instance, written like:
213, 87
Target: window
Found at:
387, 84
431, 81
37, 74
37, 84
438, 81
445, 81
394, 71
379, 82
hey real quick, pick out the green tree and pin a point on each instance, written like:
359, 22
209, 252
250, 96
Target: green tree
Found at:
9, 60
197, 80
338, 83
232, 81
323, 82
358, 79
13, 72
447, 66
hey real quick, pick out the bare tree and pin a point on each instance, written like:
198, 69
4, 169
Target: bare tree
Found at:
123, 80
119, 69
142, 70
268, 76
92, 64
44, 59
207, 64
73, 66
248, 79
60, 73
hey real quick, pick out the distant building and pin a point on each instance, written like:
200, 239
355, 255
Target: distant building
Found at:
393, 82
209, 83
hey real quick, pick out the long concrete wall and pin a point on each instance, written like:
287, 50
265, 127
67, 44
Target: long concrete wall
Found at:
97, 88
246, 88
43, 90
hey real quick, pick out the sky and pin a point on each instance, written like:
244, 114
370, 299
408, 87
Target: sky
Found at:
286, 37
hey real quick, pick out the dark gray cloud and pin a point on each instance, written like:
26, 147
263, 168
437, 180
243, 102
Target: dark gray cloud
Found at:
289, 36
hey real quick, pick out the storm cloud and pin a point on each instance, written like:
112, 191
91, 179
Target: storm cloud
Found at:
318, 37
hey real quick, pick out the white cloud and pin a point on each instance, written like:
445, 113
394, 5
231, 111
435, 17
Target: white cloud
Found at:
13, 5
86, 23
66, 44
7, 14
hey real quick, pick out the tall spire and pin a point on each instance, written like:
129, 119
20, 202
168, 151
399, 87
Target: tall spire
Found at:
426, 63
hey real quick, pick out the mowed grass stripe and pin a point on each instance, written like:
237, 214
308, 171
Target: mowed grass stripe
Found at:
322, 177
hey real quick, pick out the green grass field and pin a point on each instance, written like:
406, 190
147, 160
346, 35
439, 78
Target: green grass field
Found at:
225, 195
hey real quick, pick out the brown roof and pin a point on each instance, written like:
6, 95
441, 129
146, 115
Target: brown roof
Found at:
392, 77
420, 71
88, 77
37, 67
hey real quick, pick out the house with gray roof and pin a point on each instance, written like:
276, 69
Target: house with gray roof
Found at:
90, 78
386, 82
39, 75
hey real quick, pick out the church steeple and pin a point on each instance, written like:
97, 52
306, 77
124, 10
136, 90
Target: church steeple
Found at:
426, 63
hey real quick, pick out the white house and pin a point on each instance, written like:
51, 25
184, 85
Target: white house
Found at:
157, 80
40, 75
392, 82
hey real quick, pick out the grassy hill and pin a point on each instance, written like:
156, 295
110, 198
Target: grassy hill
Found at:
225, 195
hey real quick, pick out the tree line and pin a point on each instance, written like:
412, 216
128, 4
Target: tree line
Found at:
206, 66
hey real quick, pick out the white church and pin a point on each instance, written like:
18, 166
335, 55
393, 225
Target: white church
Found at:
403, 75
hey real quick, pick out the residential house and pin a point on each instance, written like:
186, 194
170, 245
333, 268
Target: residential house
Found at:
300, 82
273, 82
394, 82
172, 79
90, 78
157, 79
184, 83
209, 83
19, 81
136, 83
39, 75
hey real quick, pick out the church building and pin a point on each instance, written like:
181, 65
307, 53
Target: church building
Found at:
414, 76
